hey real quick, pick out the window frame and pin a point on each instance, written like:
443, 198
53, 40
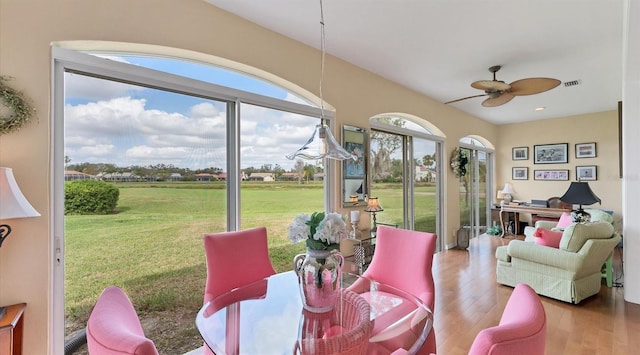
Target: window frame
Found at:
67, 60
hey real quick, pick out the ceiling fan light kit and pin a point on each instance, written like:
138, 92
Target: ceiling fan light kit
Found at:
500, 92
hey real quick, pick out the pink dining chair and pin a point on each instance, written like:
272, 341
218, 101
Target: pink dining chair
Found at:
403, 259
522, 329
114, 327
235, 259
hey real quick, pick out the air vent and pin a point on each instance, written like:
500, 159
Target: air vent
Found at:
571, 83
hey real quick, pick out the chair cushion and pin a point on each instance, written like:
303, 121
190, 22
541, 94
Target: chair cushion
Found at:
565, 220
574, 236
547, 237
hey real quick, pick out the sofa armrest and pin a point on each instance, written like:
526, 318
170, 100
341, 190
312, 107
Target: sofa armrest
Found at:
540, 254
546, 224
597, 251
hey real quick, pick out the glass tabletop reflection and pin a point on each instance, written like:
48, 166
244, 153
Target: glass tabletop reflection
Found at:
267, 317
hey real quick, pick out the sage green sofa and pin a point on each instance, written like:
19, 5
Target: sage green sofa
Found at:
569, 273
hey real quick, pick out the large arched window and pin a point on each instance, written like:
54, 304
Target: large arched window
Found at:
476, 185
193, 149
406, 173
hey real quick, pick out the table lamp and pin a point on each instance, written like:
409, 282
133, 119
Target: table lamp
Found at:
506, 193
373, 206
579, 193
13, 205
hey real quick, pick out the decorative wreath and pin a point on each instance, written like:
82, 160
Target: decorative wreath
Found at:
459, 162
21, 110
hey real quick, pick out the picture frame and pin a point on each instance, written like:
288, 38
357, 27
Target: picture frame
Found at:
354, 172
586, 150
556, 153
553, 175
520, 173
587, 173
520, 153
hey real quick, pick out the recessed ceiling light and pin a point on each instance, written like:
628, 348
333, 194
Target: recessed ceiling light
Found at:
540, 108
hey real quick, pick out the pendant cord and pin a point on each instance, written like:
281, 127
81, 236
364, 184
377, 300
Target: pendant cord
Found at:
322, 35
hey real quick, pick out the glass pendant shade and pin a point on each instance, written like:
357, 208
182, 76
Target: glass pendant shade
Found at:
320, 145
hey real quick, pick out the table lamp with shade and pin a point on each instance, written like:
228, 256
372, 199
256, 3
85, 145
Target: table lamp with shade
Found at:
506, 193
579, 193
13, 205
373, 206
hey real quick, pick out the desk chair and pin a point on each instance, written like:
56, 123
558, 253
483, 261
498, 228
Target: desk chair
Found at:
114, 327
403, 259
226, 253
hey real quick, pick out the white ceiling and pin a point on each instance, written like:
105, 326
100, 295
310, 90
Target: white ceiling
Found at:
439, 47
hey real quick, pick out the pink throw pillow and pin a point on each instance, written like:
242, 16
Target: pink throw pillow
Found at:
565, 220
547, 237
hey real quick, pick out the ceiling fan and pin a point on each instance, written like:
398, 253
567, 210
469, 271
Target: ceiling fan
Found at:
500, 92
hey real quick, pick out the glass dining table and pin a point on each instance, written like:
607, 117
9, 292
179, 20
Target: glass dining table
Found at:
267, 317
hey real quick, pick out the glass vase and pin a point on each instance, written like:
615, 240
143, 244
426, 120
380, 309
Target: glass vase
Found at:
319, 276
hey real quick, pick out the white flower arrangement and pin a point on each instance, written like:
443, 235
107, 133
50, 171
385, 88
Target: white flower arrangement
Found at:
322, 232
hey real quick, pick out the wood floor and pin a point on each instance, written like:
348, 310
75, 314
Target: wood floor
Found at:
468, 299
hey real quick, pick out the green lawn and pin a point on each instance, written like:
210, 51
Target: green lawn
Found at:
152, 247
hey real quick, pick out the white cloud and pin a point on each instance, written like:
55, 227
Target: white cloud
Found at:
85, 87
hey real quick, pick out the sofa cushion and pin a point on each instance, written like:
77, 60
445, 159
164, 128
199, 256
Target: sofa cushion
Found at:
547, 237
565, 220
574, 236
599, 215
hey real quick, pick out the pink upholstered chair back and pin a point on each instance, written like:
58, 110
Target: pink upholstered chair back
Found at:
235, 259
403, 259
522, 329
114, 327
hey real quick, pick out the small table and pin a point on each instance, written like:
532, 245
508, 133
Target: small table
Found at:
504, 209
264, 317
11, 329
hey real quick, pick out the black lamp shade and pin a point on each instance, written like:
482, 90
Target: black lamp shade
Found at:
580, 193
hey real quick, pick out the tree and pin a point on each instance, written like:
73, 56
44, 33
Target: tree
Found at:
383, 145
299, 168
277, 171
429, 159
309, 171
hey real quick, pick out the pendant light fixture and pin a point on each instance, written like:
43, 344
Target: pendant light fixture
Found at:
322, 144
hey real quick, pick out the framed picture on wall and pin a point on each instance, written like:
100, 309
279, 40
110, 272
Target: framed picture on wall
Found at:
520, 153
551, 153
586, 173
558, 175
520, 173
586, 150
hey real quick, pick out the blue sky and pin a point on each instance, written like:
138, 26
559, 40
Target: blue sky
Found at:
122, 124
111, 122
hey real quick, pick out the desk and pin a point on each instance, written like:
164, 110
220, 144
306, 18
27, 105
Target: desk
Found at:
264, 317
504, 209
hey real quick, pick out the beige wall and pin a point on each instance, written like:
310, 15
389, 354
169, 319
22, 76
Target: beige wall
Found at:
27, 27
601, 128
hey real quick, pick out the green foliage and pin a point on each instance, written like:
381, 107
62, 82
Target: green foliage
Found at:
90, 197
495, 230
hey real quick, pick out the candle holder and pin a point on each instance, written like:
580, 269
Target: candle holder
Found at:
355, 220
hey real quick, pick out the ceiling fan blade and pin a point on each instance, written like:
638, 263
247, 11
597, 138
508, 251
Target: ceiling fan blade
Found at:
464, 98
491, 85
500, 100
532, 86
